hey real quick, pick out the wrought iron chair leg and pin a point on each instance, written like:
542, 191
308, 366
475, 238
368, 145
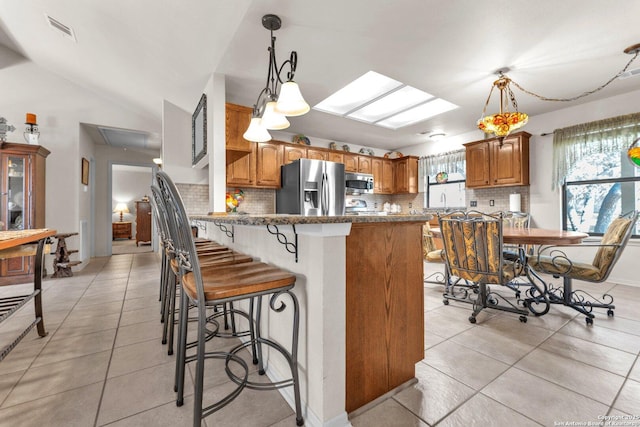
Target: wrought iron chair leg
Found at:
258, 336
172, 314
182, 348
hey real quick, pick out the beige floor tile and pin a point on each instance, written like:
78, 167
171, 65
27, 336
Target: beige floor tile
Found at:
635, 372
621, 324
138, 356
590, 381
7, 382
139, 391
145, 314
139, 332
140, 303
601, 335
431, 339
541, 400
629, 399
387, 414
102, 309
58, 377
447, 321
607, 358
168, 415
435, 394
503, 338
250, 408
73, 408
481, 411
23, 355
75, 346
465, 365
86, 324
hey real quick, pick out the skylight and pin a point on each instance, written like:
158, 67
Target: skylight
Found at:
382, 101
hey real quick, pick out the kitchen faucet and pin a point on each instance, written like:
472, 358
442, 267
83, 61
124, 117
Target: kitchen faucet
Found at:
443, 198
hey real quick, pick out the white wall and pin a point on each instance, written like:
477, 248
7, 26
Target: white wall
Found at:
176, 145
546, 205
61, 106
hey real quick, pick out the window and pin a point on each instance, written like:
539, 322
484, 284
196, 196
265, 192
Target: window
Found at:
447, 193
598, 190
599, 182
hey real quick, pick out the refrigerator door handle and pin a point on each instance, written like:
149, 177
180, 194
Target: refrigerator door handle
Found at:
325, 194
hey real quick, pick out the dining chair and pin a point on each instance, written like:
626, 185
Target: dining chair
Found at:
205, 287
473, 251
432, 254
553, 260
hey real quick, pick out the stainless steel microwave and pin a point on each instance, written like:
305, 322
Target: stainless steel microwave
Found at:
358, 183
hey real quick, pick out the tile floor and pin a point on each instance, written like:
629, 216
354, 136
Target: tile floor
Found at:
103, 364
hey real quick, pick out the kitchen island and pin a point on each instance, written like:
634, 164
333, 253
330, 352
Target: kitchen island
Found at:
359, 282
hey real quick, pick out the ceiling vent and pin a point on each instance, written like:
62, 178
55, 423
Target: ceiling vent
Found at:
630, 73
61, 28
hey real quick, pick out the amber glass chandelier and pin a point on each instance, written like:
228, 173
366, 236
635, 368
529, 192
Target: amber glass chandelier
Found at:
503, 123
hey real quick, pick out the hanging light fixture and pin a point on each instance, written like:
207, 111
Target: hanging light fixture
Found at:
272, 106
503, 123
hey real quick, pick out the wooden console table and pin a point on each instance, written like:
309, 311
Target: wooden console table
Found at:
121, 230
24, 243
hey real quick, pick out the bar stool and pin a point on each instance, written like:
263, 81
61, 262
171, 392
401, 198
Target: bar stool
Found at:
205, 287
210, 254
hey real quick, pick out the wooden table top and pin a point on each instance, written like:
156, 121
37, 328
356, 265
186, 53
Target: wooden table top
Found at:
13, 238
535, 236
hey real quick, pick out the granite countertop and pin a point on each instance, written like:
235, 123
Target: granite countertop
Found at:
283, 219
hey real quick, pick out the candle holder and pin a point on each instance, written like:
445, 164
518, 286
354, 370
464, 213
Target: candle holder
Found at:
4, 128
31, 133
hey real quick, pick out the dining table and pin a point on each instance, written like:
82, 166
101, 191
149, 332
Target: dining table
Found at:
538, 299
20, 243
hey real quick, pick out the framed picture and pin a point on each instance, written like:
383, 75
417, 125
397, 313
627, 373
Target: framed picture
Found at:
85, 171
199, 131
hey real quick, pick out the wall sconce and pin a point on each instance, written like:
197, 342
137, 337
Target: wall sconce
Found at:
121, 208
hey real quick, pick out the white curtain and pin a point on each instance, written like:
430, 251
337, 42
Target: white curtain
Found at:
572, 144
450, 162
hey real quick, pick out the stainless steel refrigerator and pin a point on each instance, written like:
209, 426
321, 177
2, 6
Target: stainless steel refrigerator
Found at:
311, 188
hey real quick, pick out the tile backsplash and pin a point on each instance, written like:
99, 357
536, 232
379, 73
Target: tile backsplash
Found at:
263, 201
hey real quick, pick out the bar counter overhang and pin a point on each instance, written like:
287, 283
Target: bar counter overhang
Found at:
359, 282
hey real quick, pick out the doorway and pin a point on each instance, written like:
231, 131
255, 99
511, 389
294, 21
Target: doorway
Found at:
129, 191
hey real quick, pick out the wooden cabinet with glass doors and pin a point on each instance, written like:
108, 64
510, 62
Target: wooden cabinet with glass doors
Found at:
22, 201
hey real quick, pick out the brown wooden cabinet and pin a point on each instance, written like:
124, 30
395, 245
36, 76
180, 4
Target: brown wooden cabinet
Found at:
121, 230
242, 172
492, 163
350, 162
293, 153
406, 174
237, 119
365, 164
22, 201
316, 154
336, 157
383, 175
143, 222
268, 162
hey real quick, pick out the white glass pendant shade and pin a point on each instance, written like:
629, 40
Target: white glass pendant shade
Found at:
256, 132
290, 100
272, 119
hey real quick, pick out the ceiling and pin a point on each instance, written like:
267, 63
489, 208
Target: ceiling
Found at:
143, 52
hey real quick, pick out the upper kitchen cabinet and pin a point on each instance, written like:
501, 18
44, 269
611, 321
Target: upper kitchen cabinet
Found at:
268, 162
365, 164
491, 163
293, 153
242, 172
350, 162
237, 121
22, 201
336, 157
406, 174
315, 154
383, 175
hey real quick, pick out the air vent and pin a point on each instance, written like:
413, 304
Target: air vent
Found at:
630, 73
61, 28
